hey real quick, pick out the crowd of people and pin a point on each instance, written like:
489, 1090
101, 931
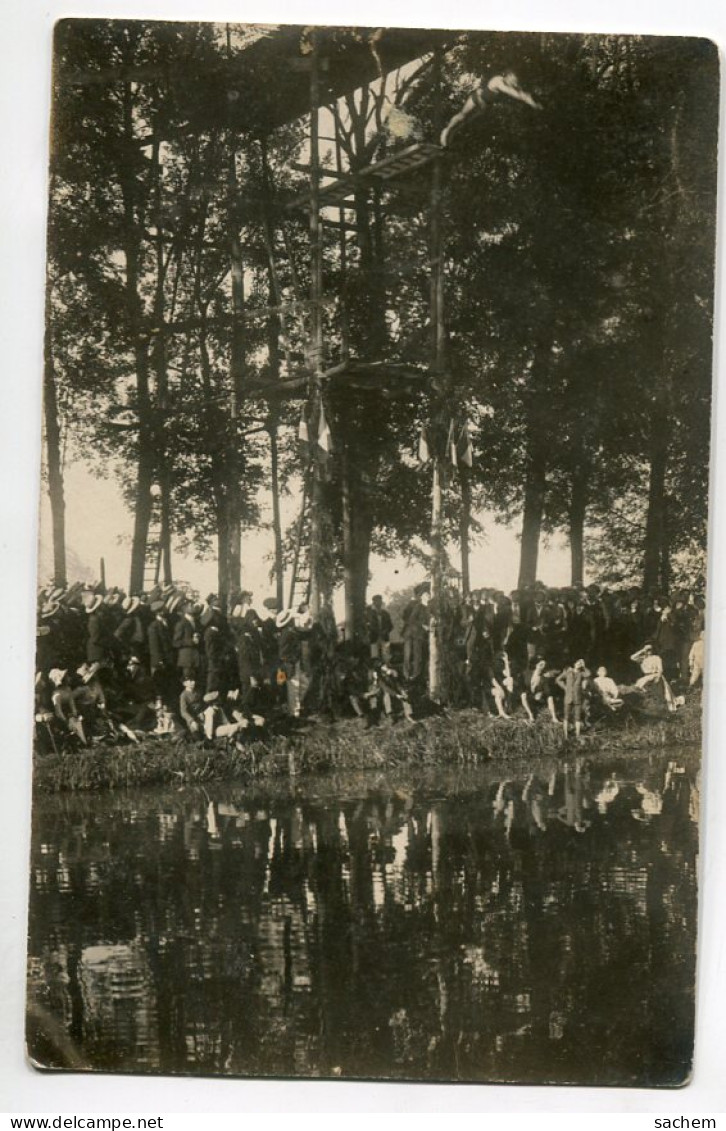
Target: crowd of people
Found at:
112, 666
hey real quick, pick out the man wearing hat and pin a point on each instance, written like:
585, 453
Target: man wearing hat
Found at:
161, 654
379, 627
245, 628
218, 652
100, 643
290, 645
89, 697
131, 632
186, 642
415, 632
138, 710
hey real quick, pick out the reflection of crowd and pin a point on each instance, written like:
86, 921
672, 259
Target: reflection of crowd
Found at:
573, 796
113, 666
330, 915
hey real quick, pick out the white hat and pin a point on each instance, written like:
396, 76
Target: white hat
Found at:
95, 603
283, 619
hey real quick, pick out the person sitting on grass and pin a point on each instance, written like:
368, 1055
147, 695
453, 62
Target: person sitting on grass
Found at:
191, 707
368, 703
394, 693
383, 689
542, 689
136, 711
608, 690
64, 706
653, 683
249, 722
650, 665
499, 697
216, 723
90, 700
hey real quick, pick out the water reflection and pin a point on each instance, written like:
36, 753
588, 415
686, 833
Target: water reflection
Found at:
530, 929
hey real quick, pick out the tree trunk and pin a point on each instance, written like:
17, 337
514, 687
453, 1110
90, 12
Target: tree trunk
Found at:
146, 456
146, 465
274, 331
665, 550
364, 333
655, 526
53, 462
165, 524
223, 581
362, 530
276, 520
321, 534
219, 479
234, 492
535, 483
142, 509
357, 529
162, 384
348, 544
464, 529
578, 509
534, 496
237, 368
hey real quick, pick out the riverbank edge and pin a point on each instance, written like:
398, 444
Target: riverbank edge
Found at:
457, 738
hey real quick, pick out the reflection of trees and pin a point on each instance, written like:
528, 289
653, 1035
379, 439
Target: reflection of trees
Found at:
537, 938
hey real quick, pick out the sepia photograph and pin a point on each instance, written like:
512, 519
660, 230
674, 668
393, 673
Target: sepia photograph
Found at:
372, 571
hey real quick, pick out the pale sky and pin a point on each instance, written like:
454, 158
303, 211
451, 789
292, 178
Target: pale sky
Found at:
98, 524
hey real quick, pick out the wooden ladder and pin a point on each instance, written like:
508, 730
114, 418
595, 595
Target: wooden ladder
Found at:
152, 561
301, 579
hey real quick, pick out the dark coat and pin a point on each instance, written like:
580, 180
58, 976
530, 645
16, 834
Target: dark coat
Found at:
99, 643
215, 647
379, 624
161, 653
415, 621
186, 642
248, 647
131, 634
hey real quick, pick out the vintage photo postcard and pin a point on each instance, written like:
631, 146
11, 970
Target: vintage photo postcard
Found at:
372, 594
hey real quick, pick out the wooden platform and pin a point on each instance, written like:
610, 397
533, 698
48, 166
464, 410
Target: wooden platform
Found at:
390, 379
343, 188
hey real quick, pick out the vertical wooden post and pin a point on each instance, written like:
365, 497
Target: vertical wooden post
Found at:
237, 368
343, 246
464, 528
319, 524
53, 455
440, 408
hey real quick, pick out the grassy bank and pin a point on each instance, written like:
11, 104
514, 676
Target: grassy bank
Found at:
461, 738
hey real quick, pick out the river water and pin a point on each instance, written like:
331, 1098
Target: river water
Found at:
441, 926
